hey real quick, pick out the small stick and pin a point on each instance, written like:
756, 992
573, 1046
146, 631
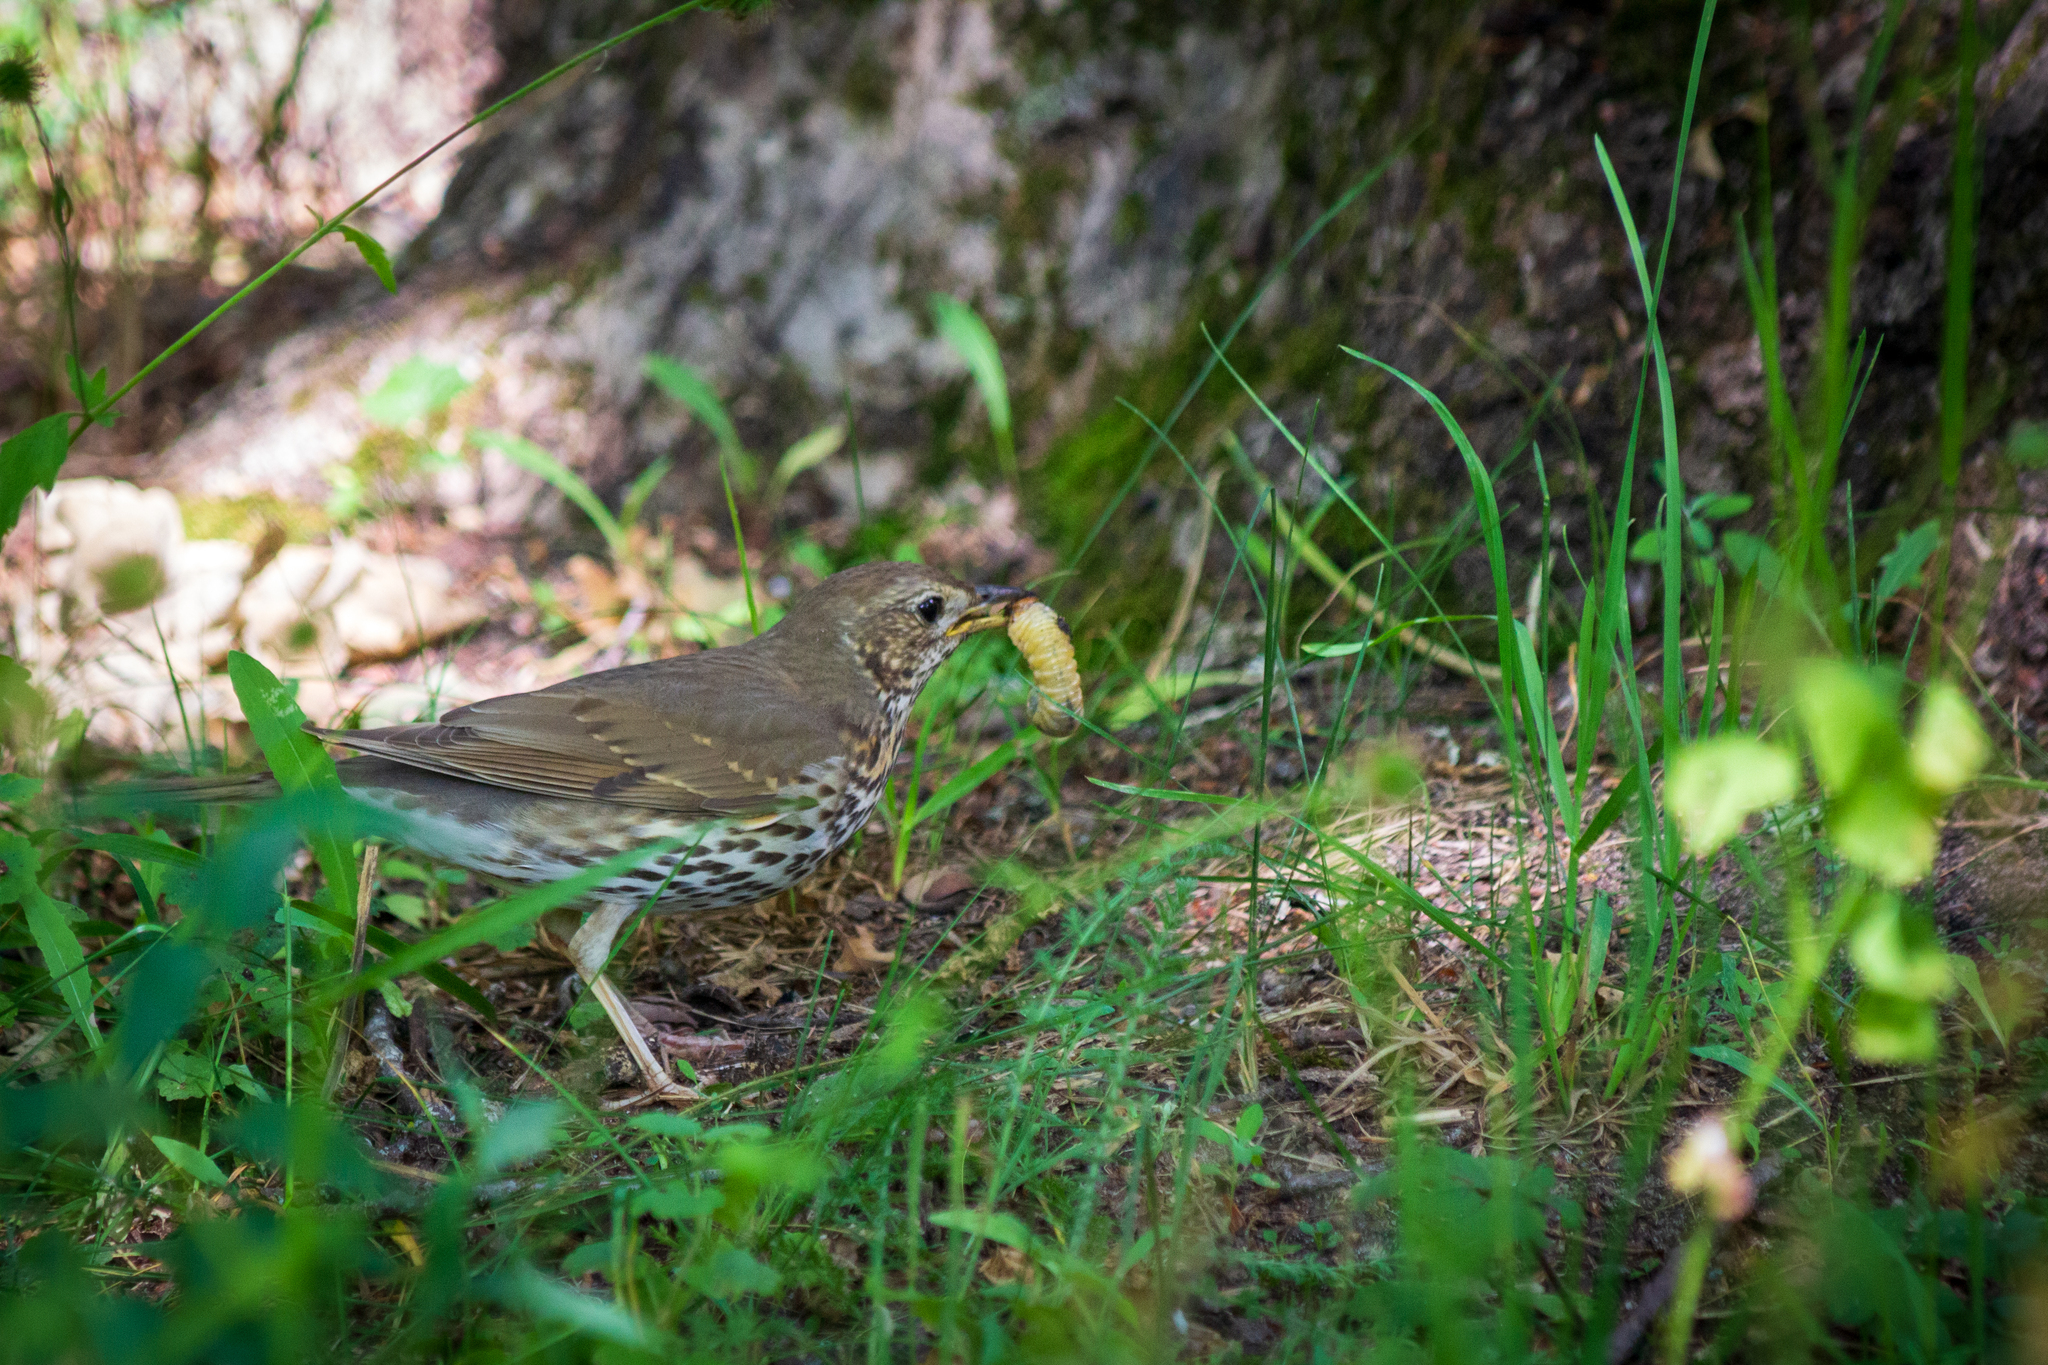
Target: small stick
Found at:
364, 885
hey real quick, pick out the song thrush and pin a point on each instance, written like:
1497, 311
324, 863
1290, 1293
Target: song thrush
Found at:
759, 759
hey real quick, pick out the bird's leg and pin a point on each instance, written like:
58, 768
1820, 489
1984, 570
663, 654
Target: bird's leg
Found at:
587, 951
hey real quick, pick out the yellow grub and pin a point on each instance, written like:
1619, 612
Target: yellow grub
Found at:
1041, 637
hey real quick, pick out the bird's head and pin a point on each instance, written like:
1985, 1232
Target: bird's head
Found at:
900, 621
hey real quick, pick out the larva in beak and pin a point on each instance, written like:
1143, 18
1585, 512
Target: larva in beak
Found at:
1041, 637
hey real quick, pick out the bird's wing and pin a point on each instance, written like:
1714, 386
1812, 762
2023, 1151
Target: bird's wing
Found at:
686, 735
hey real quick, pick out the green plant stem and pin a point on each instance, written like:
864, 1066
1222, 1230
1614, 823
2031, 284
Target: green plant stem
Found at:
739, 537
333, 224
1812, 950
1962, 269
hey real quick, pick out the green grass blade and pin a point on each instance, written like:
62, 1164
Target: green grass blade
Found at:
969, 337
963, 782
565, 480
300, 764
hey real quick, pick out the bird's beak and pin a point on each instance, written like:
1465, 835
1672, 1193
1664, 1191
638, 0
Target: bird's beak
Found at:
991, 612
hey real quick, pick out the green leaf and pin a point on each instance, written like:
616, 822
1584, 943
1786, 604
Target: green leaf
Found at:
678, 1203
30, 460
961, 783
1851, 726
2026, 444
1897, 951
1964, 969
142, 850
1728, 1056
1890, 1028
415, 388
1146, 697
1249, 1121
1900, 567
1948, 747
1005, 1228
642, 489
1648, 547
15, 788
300, 763
529, 1291
1751, 556
190, 1160
1161, 794
1716, 785
534, 460
968, 335
807, 453
1722, 506
55, 938
1881, 826
525, 1131
689, 388
668, 1125
373, 254
729, 1273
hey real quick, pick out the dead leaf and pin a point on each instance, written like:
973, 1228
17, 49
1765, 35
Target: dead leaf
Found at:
858, 953
1006, 1265
746, 972
929, 889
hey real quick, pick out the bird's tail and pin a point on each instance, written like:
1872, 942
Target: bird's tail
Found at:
160, 792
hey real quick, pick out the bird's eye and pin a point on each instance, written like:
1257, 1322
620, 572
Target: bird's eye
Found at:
928, 608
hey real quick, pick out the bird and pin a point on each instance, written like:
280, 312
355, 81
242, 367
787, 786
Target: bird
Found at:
741, 768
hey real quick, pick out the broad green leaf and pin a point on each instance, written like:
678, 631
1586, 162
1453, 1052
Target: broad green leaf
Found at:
729, 1273
1949, 747
1883, 828
1005, 1228
534, 460
1249, 1121
750, 1167
1900, 567
1890, 1028
678, 1203
1716, 785
190, 1160
1896, 950
1751, 555
1721, 506
968, 335
2026, 444
525, 1131
529, 1291
668, 1125
300, 763
30, 460
16, 788
1851, 726
373, 254
415, 388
